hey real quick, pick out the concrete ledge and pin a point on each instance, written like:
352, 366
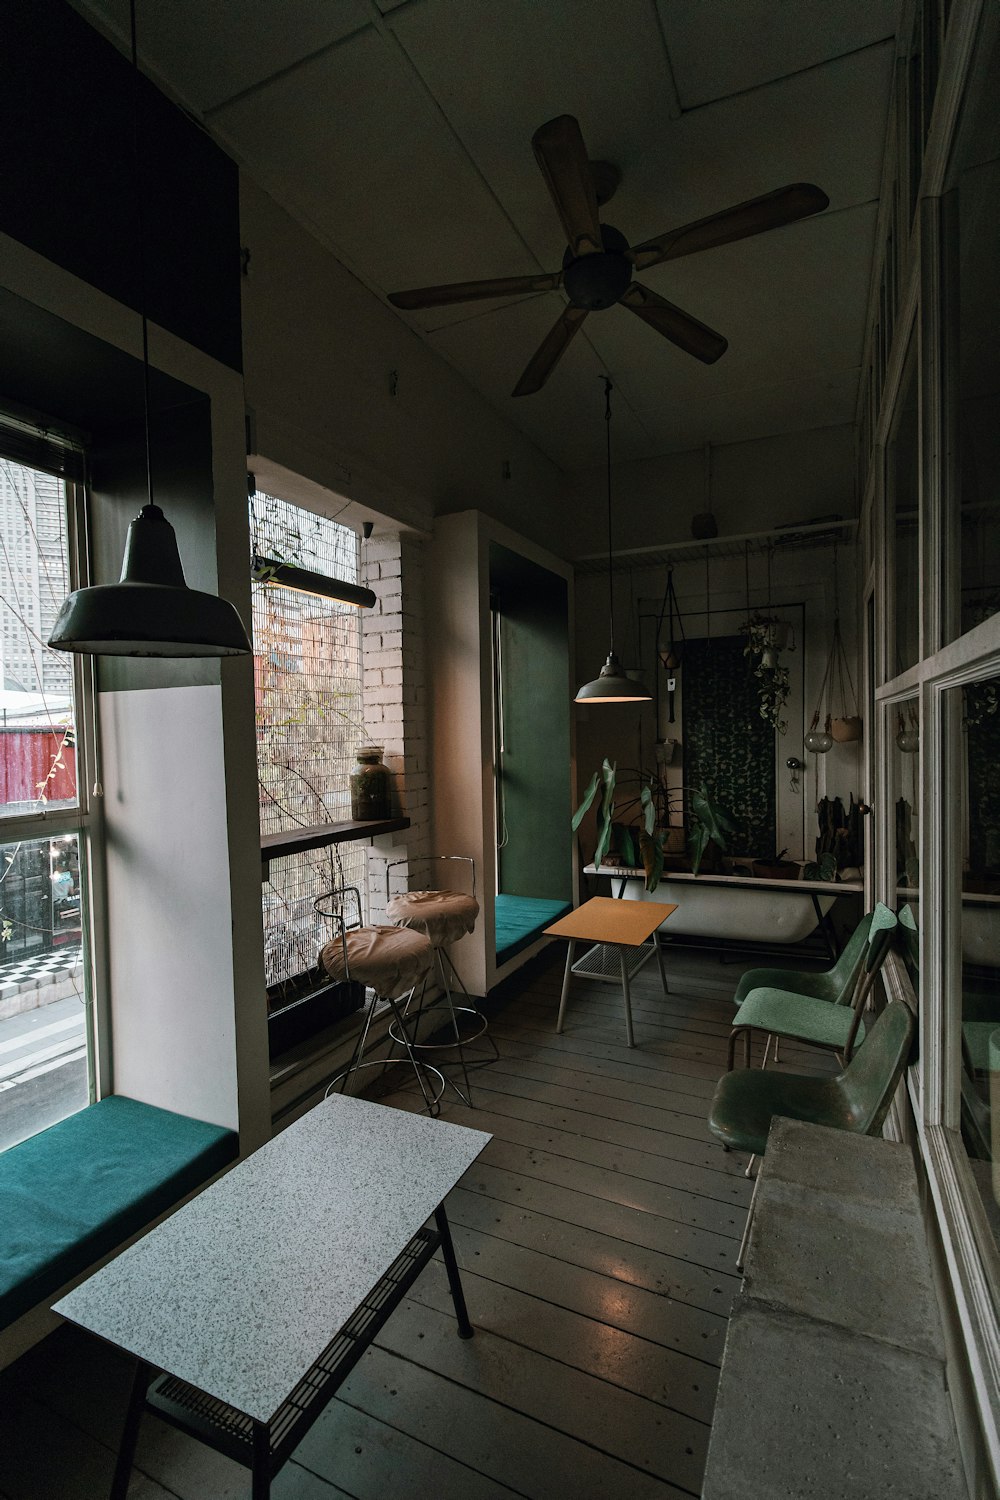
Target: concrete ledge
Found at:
833, 1379
806, 1409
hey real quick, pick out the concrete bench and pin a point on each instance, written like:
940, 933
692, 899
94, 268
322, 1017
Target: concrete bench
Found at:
77, 1191
833, 1379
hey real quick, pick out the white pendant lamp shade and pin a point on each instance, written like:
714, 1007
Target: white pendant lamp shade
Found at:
150, 611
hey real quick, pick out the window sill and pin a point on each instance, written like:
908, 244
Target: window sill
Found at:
280, 845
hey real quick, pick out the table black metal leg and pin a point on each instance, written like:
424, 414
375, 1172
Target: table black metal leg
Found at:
130, 1432
261, 1461
465, 1328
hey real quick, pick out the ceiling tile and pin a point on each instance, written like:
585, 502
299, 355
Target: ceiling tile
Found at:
723, 47
358, 151
209, 52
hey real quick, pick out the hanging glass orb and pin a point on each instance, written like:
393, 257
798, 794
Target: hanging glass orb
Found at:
818, 741
908, 740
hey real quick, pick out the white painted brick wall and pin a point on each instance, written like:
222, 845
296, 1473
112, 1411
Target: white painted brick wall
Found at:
395, 703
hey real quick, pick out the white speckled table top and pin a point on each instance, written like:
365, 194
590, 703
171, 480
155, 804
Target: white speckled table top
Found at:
243, 1288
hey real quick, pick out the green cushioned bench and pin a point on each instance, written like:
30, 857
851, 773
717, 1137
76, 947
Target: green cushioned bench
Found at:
73, 1193
522, 919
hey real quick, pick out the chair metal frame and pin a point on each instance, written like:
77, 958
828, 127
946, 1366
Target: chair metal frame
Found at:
401, 1036
872, 1123
441, 958
879, 942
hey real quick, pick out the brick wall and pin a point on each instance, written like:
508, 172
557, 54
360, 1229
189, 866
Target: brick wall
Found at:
395, 699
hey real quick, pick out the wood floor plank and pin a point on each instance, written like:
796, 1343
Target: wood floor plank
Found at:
616, 1187
545, 1040
532, 1457
698, 1246
602, 1084
630, 1428
656, 1269
583, 1340
660, 1319
706, 1156
656, 1117
367, 1457
698, 1090
711, 1187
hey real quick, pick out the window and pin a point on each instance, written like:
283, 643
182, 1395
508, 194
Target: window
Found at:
307, 667
46, 1054
973, 720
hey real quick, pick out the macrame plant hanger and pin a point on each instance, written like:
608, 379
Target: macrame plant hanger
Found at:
838, 683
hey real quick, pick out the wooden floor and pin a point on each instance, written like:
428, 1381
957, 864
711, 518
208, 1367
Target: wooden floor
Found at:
596, 1234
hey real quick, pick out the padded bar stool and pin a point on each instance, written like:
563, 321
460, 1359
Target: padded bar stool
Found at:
391, 962
442, 917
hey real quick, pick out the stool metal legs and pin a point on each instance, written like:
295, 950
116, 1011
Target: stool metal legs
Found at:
397, 1033
443, 962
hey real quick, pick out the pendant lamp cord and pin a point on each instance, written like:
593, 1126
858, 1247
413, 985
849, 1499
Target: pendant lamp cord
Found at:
608, 388
140, 225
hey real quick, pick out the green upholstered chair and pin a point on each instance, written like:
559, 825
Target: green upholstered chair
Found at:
836, 984
806, 1018
858, 1099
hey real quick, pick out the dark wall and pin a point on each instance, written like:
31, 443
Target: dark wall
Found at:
69, 179
59, 371
536, 857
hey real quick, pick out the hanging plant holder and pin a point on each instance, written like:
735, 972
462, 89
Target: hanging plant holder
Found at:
843, 728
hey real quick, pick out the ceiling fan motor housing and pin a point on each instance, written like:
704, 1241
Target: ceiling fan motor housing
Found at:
596, 281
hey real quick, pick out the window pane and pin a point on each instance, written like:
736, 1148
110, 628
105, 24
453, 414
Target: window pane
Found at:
38, 757
310, 721
43, 1033
902, 494
905, 741
972, 227
977, 827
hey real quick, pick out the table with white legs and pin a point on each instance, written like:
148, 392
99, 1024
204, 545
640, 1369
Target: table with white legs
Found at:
624, 937
258, 1297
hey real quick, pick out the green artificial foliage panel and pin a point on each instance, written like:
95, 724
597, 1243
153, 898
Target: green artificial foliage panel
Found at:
982, 726
728, 747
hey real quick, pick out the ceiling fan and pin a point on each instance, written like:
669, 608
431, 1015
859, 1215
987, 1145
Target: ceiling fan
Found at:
598, 264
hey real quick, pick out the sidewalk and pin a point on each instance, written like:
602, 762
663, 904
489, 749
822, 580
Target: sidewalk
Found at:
43, 1045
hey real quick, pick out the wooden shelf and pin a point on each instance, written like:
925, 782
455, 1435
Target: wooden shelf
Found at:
279, 845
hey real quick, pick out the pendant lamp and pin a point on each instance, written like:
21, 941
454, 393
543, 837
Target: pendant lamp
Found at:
150, 611
611, 684
275, 574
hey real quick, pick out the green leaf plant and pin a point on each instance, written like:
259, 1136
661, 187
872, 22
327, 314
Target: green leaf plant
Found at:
706, 821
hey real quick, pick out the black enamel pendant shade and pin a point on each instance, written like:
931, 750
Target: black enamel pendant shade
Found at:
150, 611
611, 684
275, 574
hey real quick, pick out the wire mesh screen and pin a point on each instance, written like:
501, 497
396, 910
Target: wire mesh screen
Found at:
307, 678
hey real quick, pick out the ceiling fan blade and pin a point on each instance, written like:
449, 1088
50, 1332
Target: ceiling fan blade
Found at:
562, 156
770, 211
550, 351
679, 327
474, 291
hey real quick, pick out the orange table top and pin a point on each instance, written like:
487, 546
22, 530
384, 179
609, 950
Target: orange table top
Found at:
605, 920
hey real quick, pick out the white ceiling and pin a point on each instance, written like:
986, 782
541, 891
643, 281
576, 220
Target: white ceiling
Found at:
400, 133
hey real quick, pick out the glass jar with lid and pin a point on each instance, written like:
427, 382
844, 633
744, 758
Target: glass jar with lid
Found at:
370, 786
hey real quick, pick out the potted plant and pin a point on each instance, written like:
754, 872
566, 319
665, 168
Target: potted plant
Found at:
766, 637
653, 838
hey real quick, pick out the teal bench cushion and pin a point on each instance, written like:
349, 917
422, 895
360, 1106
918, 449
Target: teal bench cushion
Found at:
521, 919
73, 1193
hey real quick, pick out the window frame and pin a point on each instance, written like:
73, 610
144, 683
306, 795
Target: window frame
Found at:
85, 819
